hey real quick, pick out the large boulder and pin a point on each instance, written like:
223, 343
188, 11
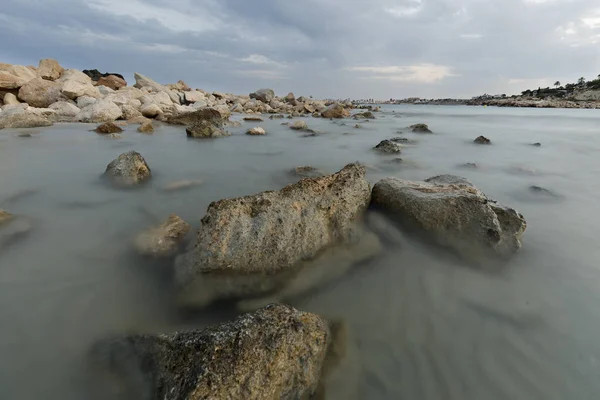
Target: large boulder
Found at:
10, 81
273, 231
100, 111
194, 117
335, 110
49, 69
111, 81
276, 352
163, 240
205, 130
143, 81
455, 214
264, 95
65, 111
194, 96
41, 93
72, 89
22, 120
128, 169
151, 110
20, 73
84, 101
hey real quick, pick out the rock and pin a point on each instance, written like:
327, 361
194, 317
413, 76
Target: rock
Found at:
128, 169
101, 111
163, 240
4, 216
41, 93
542, 191
108, 127
50, 69
111, 81
84, 101
151, 110
15, 76
470, 165
538, 144
237, 107
357, 126
23, 120
264, 95
10, 81
452, 212
95, 75
307, 172
256, 131
276, 352
182, 185
25, 135
420, 128
482, 140
194, 117
335, 110
299, 126
146, 127
273, 231
253, 118
143, 81
10, 99
364, 115
65, 111
400, 140
131, 112
179, 86
291, 99
276, 116
206, 129
194, 96
308, 108
387, 146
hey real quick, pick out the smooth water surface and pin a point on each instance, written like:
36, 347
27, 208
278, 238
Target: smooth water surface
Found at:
422, 326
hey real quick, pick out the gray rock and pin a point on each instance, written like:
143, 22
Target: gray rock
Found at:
273, 231
537, 144
264, 95
276, 352
364, 115
163, 240
23, 120
65, 111
420, 128
205, 130
100, 111
482, 140
454, 213
128, 169
388, 146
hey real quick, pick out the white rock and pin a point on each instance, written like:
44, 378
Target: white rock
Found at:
151, 110
73, 89
104, 90
65, 109
42, 112
101, 111
22, 72
84, 101
194, 96
10, 99
133, 92
74, 75
142, 81
199, 104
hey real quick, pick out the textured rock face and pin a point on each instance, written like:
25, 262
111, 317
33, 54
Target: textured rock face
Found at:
453, 213
112, 81
65, 110
128, 169
100, 111
163, 240
108, 127
256, 131
420, 128
40, 93
299, 126
482, 140
191, 118
23, 120
50, 69
335, 111
10, 81
388, 146
276, 352
143, 81
264, 95
273, 231
146, 127
21, 72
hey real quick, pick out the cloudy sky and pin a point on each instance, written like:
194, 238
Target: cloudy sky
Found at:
325, 48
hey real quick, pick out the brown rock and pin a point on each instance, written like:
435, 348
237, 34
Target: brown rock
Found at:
111, 81
4, 216
146, 127
40, 93
108, 127
50, 69
420, 128
10, 81
163, 240
253, 118
335, 110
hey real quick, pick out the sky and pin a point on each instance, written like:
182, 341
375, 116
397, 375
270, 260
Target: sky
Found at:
326, 48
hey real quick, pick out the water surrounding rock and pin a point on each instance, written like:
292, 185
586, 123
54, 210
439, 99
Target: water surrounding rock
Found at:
364, 115
257, 130
50, 69
128, 169
299, 125
39, 92
335, 110
163, 240
253, 118
108, 127
388, 146
146, 127
482, 140
307, 172
452, 212
276, 352
420, 128
264, 95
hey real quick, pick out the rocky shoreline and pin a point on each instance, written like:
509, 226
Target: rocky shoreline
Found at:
259, 250
516, 101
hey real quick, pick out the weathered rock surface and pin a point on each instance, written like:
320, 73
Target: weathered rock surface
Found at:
49, 69
253, 118
274, 231
335, 110
299, 125
420, 128
453, 213
276, 352
100, 111
264, 95
23, 120
73, 89
146, 127
388, 146
39, 92
257, 130
163, 240
151, 110
307, 171
65, 111
10, 99
112, 81
143, 81
205, 130
128, 169
108, 127
482, 140
10, 81
16, 73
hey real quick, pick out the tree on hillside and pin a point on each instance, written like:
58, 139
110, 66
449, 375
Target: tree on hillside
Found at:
557, 84
581, 81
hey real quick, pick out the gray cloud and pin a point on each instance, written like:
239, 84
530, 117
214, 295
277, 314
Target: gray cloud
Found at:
327, 48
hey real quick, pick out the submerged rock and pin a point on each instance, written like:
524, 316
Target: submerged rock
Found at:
273, 231
482, 140
543, 191
182, 185
256, 131
276, 116
128, 169
276, 352
470, 165
537, 144
146, 127
108, 127
364, 115
253, 118
163, 240
335, 110
388, 146
420, 128
307, 172
357, 126
4, 216
454, 213
206, 129
299, 126
12, 229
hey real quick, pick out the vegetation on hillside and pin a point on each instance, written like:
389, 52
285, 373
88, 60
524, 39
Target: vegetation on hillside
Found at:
564, 91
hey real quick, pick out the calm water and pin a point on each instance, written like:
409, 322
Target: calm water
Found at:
422, 326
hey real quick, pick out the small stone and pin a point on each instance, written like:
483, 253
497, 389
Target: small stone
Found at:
253, 118
108, 127
163, 240
387, 146
420, 128
482, 140
357, 126
256, 131
299, 125
538, 144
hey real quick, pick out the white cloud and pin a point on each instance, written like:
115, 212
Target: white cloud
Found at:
471, 36
262, 60
422, 73
401, 11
